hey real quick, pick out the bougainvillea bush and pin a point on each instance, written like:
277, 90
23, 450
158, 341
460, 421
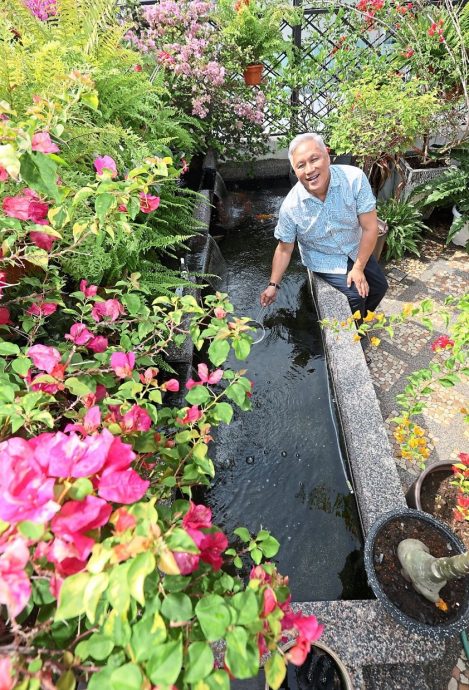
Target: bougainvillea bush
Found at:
101, 580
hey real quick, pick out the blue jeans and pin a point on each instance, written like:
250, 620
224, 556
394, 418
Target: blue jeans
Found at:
376, 281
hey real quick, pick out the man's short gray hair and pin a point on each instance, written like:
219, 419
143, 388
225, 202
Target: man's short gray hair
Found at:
308, 136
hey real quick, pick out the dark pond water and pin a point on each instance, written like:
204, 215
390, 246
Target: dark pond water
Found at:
280, 466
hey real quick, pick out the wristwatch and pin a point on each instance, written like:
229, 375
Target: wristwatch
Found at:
275, 285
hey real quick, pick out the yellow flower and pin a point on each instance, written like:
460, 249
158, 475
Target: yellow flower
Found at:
370, 315
356, 338
425, 452
380, 317
413, 443
422, 442
407, 309
417, 430
357, 314
405, 454
375, 341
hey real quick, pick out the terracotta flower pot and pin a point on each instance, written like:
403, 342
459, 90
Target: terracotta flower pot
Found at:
413, 495
253, 75
398, 597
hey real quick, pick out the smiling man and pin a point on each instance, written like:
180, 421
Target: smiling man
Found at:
331, 213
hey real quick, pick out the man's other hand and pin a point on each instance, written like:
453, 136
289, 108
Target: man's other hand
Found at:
357, 276
268, 296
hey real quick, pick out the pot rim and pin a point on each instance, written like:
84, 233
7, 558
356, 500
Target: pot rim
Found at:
435, 631
434, 467
346, 678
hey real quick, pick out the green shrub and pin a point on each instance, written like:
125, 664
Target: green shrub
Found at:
405, 227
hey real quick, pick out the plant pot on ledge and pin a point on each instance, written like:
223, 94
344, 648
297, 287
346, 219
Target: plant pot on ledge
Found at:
414, 174
395, 593
253, 74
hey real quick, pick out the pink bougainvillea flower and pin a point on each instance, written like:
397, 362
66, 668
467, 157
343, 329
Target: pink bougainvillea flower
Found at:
26, 491
42, 309
192, 415
109, 309
443, 342
42, 240
197, 517
309, 630
55, 585
219, 312
122, 486
123, 364
105, 163
171, 385
4, 316
42, 142
186, 562
3, 174
211, 547
16, 207
122, 208
44, 357
136, 419
76, 518
148, 202
79, 334
7, 681
15, 587
137, 68
91, 422
88, 290
98, 344
205, 377
92, 398
149, 375
270, 601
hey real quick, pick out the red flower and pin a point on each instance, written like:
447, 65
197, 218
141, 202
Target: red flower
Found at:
148, 202
42, 309
443, 342
4, 316
42, 239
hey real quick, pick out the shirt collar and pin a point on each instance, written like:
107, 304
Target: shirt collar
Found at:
304, 194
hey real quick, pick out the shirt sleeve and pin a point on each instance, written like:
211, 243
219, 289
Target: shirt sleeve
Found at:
285, 230
365, 198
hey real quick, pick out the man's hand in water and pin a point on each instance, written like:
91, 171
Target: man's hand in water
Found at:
268, 296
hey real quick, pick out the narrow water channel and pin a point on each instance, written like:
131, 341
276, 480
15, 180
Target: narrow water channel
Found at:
280, 466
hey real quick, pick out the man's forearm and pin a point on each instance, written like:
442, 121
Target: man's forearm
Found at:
280, 262
365, 249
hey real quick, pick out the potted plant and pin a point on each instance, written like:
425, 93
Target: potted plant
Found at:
252, 31
450, 189
404, 227
378, 117
420, 607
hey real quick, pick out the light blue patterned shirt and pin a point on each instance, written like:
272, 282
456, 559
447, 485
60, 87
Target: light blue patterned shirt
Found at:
327, 232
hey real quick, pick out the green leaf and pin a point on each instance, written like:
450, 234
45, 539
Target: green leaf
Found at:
246, 606
199, 663
118, 593
40, 173
242, 655
275, 670
77, 387
31, 530
102, 205
8, 348
71, 599
146, 634
236, 392
218, 680
177, 608
66, 681
141, 566
99, 646
241, 348
179, 540
223, 412
256, 555
80, 488
127, 677
133, 303
218, 352
269, 546
213, 615
198, 395
165, 663
242, 533
100, 680
94, 589
41, 592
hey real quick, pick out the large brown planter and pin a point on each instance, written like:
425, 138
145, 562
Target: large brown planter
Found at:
413, 495
253, 75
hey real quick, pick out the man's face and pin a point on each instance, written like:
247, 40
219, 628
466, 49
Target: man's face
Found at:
312, 167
